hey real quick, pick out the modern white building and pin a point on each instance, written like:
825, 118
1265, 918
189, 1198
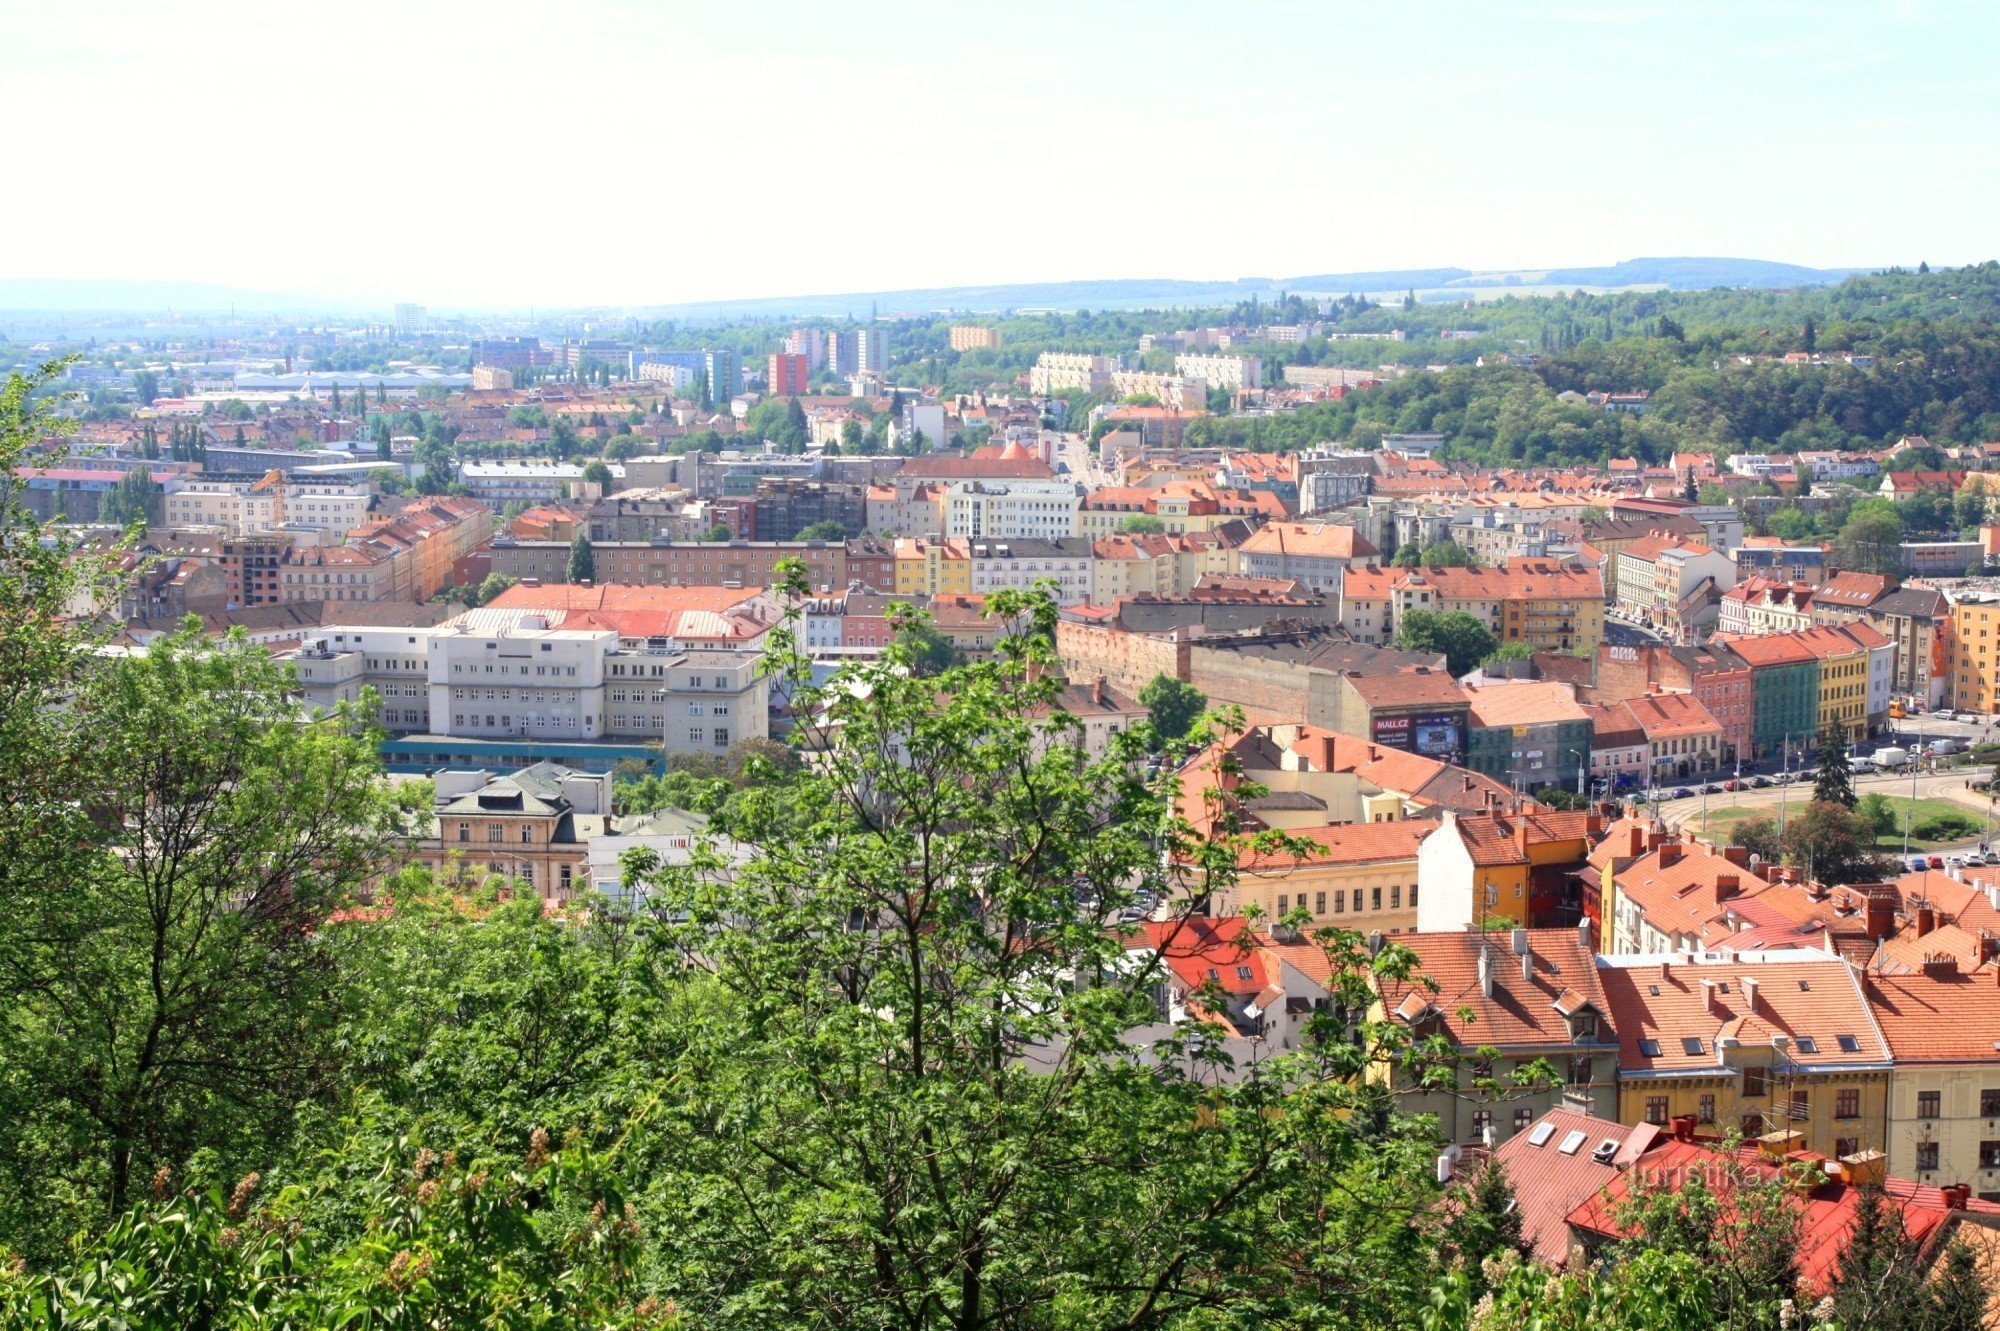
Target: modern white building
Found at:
1233, 373
527, 680
1022, 563
240, 505
498, 483
1011, 509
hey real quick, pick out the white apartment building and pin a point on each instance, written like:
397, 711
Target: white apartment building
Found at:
528, 680
1175, 392
1234, 373
1020, 564
1064, 371
497, 483
241, 505
1009, 510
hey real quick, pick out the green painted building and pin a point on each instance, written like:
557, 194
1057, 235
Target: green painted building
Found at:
1529, 734
1784, 696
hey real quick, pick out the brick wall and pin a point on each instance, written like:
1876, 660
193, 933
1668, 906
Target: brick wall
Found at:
1125, 661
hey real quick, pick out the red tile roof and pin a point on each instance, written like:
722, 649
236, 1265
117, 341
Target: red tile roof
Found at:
1520, 1013
1549, 1183
1671, 1011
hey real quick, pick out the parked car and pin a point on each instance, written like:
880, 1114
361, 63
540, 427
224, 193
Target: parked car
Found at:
1682, 793
1942, 714
1936, 861
1757, 782
1918, 864
1966, 719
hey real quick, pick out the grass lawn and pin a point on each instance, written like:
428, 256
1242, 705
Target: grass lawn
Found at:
1927, 808
1721, 822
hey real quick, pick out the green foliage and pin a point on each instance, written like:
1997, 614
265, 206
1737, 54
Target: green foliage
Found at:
1143, 524
1880, 813
1834, 780
1947, 827
163, 993
1759, 836
1509, 651
1833, 843
495, 584
929, 651
828, 530
582, 565
1464, 640
596, 473
1447, 554
1173, 706
136, 498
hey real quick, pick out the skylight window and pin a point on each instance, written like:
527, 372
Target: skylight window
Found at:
1805, 984
1650, 1048
1691, 1045
1572, 1142
1849, 1045
1540, 1136
1808, 1045
1242, 972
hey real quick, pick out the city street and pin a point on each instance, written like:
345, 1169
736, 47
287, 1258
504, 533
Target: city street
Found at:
1076, 453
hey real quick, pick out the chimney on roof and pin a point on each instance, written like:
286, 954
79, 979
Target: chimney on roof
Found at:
1737, 855
1521, 835
1956, 1196
1750, 995
1926, 918
1989, 946
1683, 1127
1526, 953
1486, 968
1584, 933
1881, 913
1097, 691
1670, 854
1638, 842
1727, 885
1711, 1003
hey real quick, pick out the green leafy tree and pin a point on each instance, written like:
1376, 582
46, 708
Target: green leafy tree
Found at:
145, 387
1759, 836
1408, 555
1881, 815
1833, 843
1145, 524
718, 533
494, 585
622, 447
564, 441
1869, 540
1173, 706
582, 560
1447, 554
1463, 639
596, 473
828, 530
165, 993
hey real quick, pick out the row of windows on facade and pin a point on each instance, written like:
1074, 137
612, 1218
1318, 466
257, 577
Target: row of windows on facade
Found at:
1340, 899
459, 668
540, 722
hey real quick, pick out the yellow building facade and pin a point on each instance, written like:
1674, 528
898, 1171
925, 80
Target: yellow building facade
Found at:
926, 567
1975, 667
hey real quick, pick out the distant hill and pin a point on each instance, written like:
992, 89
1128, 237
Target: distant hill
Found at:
1678, 274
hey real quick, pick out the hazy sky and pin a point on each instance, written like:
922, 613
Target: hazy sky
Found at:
637, 151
